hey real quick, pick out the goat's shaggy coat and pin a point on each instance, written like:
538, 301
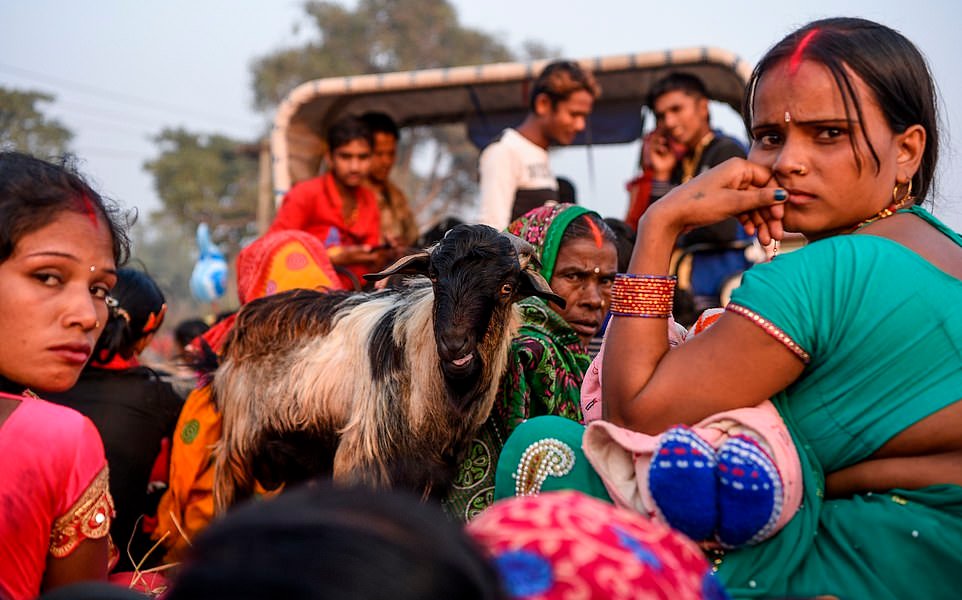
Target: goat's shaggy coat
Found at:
383, 388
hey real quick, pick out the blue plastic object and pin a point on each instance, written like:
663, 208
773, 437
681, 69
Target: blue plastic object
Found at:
208, 281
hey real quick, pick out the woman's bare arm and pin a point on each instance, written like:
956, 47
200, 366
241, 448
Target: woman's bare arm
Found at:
882, 474
88, 561
735, 363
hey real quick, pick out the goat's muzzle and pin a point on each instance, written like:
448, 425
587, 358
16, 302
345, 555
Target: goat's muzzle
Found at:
461, 365
458, 353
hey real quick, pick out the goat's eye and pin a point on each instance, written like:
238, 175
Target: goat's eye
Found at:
507, 289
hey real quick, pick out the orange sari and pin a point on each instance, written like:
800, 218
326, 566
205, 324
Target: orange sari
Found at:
276, 262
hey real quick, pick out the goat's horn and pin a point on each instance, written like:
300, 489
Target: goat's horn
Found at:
533, 283
526, 252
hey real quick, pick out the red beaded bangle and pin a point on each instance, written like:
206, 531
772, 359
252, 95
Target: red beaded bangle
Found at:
648, 296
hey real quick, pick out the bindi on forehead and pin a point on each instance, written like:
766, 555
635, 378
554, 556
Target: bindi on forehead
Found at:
811, 95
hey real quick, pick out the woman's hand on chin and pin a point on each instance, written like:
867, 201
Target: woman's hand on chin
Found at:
735, 188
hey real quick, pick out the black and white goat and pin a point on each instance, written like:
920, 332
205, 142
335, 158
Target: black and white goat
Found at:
383, 389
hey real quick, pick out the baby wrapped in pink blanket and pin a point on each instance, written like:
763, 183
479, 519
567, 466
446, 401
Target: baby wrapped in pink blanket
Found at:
733, 478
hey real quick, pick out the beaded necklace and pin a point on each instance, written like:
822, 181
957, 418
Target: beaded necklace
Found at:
885, 213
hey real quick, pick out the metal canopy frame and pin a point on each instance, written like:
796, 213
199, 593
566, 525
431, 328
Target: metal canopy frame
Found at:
486, 98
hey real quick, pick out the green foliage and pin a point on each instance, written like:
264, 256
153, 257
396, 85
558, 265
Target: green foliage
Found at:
25, 128
208, 178
213, 178
378, 37
395, 35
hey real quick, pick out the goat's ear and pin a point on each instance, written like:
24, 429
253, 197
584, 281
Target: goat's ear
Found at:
412, 264
534, 284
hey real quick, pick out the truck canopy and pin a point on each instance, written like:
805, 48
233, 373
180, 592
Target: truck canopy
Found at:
486, 98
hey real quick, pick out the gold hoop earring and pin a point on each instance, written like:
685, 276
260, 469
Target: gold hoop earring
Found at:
906, 197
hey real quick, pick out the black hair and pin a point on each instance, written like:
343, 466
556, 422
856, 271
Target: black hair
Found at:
34, 191
319, 541
559, 79
566, 191
137, 307
220, 316
10, 387
188, 329
625, 243
92, 590
579, 228
886, 61
347, 129
686, 83
379, 122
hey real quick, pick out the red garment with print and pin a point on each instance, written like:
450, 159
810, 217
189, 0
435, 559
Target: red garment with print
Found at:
315, 206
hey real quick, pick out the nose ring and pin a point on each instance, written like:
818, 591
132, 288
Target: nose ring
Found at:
801, 170
97, 324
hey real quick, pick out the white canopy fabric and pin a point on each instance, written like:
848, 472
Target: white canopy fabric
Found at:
486, 98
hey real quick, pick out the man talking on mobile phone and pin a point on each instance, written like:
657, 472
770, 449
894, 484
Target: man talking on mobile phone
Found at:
682, 146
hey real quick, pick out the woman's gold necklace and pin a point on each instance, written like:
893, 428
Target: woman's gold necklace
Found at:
885, 213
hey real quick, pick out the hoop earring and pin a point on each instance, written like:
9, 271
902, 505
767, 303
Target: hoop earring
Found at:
906, 197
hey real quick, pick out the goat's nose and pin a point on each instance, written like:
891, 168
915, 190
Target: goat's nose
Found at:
454, 345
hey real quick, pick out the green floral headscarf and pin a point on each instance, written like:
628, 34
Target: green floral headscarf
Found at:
543, 227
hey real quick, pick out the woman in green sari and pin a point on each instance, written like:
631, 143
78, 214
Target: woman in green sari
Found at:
854, 337
549, 355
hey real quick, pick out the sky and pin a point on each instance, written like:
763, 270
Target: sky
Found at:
123, 70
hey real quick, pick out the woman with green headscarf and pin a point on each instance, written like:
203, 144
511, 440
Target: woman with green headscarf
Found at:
549, 355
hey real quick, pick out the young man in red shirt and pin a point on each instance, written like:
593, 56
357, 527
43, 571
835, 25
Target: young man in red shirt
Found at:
338, 207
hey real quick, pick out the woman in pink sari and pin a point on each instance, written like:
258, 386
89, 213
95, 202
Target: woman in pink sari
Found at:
59, 250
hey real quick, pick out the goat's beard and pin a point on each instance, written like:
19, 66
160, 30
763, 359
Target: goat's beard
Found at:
462, 382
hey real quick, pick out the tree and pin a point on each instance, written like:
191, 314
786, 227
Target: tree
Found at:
25, 128
393, 35
378, 37
211, 177
208, 178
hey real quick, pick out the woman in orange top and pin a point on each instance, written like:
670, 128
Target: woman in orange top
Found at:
276, 262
